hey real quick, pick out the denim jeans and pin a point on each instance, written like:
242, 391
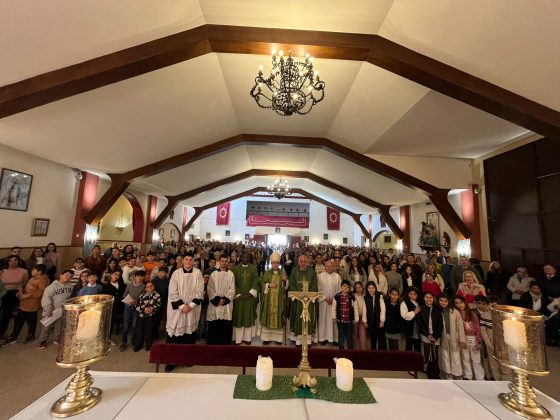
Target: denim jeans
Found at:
345, 332
130, 316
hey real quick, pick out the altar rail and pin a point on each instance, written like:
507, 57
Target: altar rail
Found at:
283, 357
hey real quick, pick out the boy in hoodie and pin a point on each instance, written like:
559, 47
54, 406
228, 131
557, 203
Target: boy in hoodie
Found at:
29, 303
130, 315
55, 294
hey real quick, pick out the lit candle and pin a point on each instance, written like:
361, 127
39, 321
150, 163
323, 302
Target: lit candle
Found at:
344, 374
264, 373
515, 334
88, 324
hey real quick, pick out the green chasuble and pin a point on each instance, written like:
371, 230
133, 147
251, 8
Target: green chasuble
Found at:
245, 306
297, 277
272, 303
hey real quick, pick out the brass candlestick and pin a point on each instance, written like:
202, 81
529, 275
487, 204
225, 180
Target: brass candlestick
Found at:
519, 344
85, 334
304, 378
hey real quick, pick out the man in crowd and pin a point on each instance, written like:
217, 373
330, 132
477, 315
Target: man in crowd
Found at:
550, 283
329, 284
245, 303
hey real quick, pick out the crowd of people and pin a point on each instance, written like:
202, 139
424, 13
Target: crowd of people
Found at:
233, 293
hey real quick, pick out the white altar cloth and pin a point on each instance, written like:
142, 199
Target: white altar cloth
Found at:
207, 396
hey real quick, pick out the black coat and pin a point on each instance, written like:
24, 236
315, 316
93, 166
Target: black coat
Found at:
393, 319
526, 301
117, 293
373, 312
423, 320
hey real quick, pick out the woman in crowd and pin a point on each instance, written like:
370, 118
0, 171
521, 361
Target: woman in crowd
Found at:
112, 266
410, 279
54, 257
13, 278
96, 261
470, 288
81, 283
534, 299
430, 285
497, 280
37, 257
377, 275
356, 273
519, 284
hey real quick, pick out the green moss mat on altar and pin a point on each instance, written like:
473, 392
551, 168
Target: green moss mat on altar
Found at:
245, 389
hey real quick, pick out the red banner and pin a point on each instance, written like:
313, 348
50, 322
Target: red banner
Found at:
333, 219
278, 221
222, 214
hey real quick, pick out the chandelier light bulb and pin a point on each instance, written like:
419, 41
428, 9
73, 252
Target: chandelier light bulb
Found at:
280, 53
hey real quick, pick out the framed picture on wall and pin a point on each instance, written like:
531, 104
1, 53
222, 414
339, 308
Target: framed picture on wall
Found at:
161, 232
208, 235
15, 189
277, 230
306, 238
344, 240
40, 227
228, 233
325, 236
247, 236
172, 233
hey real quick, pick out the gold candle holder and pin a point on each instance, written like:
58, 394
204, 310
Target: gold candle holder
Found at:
85, 335
519, 344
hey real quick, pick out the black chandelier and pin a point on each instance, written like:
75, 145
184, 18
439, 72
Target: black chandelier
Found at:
293, 87
279, 189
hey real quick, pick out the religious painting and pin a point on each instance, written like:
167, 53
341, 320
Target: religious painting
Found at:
306, 239
40, 227
15, 189
344, 241
172, 233
247, 236
208, 235
382, 221
277, 230
429, 234
326, 236
228, 233
161, 232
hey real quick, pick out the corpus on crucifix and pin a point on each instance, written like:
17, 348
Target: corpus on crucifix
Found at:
304, 378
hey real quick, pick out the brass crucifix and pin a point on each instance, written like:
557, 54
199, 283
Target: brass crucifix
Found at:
304, 378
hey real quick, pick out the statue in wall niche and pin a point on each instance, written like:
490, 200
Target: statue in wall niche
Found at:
428, 235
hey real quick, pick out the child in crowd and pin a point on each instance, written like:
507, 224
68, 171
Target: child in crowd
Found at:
360, 335
29, 303
115, 287
345, 312
470, 350
56, 293
430, 327
148, 304
82, 281
484, 315
393, 319
150, 265
375, 315
79, 267
131, 295
92, 287
430, 285
161, 285
409, 309
452, 335
129, 269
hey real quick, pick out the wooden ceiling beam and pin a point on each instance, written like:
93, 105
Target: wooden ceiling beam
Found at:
140, 59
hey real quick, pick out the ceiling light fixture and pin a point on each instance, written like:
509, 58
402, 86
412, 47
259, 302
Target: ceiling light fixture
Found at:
293, 87
279, 189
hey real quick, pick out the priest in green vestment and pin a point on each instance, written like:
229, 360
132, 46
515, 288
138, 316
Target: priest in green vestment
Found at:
245, 301
302, 273
272, 302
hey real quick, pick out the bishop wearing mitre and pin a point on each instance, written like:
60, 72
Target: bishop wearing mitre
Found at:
273, 302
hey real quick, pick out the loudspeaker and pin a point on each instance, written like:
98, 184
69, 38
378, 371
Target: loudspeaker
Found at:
77, 174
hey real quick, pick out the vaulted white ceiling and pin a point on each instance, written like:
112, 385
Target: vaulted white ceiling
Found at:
192, 104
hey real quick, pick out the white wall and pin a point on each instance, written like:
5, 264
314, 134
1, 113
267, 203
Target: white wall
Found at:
238, 228
53, 196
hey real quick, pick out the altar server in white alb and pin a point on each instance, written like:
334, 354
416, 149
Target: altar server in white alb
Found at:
186, 291
221, 291
329, 285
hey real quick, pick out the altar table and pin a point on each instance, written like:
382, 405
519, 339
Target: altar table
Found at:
209, 396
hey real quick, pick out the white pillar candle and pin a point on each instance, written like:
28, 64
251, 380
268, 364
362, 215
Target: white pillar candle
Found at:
344, 374
264, 373
515, 334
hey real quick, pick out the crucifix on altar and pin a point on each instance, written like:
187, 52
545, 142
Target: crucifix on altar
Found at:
304, 378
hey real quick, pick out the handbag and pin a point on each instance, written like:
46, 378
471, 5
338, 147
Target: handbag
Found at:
432, 366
